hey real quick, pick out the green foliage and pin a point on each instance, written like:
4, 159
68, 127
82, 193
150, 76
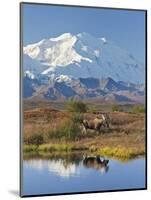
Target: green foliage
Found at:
117, 108
77, 118
73, 105
138, 109
35, 139
67, 130
29, 148
94, 109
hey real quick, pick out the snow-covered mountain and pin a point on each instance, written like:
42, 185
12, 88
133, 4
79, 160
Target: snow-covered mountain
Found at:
81, 56
82, 66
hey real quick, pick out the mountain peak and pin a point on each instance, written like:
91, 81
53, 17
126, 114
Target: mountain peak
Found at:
104, 40
64, 36
83, 56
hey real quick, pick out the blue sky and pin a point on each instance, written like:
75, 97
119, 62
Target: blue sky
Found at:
126, 28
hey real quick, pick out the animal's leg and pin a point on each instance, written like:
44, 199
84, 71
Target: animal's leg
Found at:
84, 131
99, 129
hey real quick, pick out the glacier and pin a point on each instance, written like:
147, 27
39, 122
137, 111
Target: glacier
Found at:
81, 56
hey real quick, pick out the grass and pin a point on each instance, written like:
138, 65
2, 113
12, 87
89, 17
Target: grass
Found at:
29, 148
121, 153
60, 131
67, 129
30, 104
53, 148
138, 109
74, 105
117, 108
48, 147
59, 127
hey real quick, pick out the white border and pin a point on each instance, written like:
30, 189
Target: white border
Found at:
9, 100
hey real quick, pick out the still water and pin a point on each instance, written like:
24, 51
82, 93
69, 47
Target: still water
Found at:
71, 174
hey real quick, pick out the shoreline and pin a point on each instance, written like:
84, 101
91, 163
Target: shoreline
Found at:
122, 153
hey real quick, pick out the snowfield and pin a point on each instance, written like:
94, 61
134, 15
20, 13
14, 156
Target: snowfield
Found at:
82, 56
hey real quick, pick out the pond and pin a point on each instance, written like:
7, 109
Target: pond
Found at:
70, 174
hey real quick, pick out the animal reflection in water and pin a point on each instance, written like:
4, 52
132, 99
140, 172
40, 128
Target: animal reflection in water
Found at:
96, 124
96, 162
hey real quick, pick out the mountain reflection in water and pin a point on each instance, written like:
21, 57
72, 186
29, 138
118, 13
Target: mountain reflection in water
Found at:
51, 174
66, 167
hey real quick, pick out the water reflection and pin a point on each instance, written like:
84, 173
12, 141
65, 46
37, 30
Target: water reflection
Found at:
46, 174
97, 163
59, 167
66, 167
63, 168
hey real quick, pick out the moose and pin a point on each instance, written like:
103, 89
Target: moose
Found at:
96, 124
